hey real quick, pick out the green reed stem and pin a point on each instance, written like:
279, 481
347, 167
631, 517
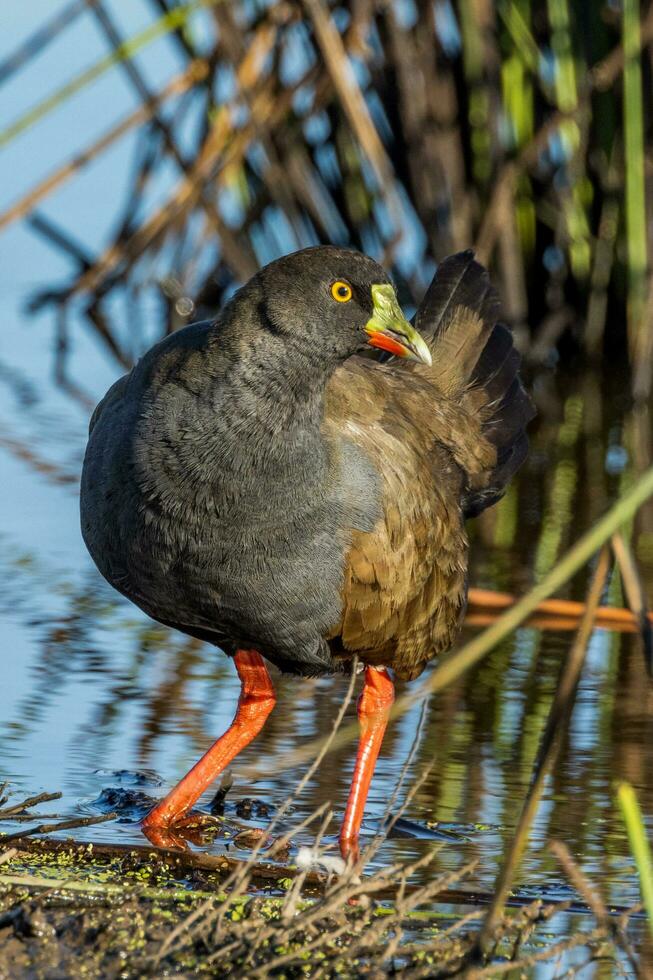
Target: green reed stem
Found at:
565, 76
164, 25
633, 110
639, 845
519, 30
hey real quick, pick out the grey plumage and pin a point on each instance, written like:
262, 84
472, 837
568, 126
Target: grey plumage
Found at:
235, 485
210, 496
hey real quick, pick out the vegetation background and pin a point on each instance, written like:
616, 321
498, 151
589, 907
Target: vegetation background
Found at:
406, 129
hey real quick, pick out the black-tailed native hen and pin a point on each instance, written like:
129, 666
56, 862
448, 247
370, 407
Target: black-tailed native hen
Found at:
256, 483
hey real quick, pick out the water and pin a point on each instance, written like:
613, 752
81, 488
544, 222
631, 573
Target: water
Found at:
102, 704
96, 696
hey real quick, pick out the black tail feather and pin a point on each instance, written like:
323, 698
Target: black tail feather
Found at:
474, 502
478, 351
510, 408
509, 418
460, 281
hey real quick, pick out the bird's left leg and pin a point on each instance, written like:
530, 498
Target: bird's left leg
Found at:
255, 703
374, 706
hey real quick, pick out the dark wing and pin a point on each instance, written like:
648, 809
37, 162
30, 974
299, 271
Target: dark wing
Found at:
474, 361
112, 398
445, 440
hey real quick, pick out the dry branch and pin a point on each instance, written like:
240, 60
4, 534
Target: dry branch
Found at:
52, 828
195, 72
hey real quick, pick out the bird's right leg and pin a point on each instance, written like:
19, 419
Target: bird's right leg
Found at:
255, 703
374, 707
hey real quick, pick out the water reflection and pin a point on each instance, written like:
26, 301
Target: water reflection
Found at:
100, 694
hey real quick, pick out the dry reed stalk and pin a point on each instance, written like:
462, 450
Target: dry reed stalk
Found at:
40, 39
354, 105
195, 72
635, 594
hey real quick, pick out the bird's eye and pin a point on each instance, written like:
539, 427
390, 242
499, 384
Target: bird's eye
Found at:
341, 291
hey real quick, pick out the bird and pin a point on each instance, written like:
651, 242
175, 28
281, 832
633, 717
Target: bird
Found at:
291, 480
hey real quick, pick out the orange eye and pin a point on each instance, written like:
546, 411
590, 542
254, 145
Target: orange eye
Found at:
341, 291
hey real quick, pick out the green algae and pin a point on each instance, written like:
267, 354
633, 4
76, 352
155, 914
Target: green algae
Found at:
81, 869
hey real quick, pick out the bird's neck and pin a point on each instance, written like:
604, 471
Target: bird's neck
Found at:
235, 425
273, 408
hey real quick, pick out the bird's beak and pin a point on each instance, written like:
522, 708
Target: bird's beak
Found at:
389, 329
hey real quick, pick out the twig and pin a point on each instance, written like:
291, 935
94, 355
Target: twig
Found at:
580, 882
564, 946
634, 593
354, 105
62, 239
26, 817
38, 41
152, 32
506, 181
51, 828
600, 77
195, 72
27, 803
604, 74
189, 190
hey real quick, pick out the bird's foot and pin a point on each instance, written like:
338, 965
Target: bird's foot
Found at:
255, 838
193, 827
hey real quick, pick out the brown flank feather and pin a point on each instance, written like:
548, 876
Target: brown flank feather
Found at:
446, 441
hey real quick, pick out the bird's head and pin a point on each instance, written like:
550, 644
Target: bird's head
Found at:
332, 303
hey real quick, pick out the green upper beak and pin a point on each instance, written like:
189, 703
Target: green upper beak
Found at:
389, 329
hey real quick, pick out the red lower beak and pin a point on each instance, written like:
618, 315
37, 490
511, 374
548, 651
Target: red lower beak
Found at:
384, 342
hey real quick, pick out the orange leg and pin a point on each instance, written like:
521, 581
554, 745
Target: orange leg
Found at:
373, 709
255, 703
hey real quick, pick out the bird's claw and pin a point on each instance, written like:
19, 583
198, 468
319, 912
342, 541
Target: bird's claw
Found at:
177, 834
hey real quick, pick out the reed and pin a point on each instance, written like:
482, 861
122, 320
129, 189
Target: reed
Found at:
633, 113
172, 20
639, 845
503, 124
